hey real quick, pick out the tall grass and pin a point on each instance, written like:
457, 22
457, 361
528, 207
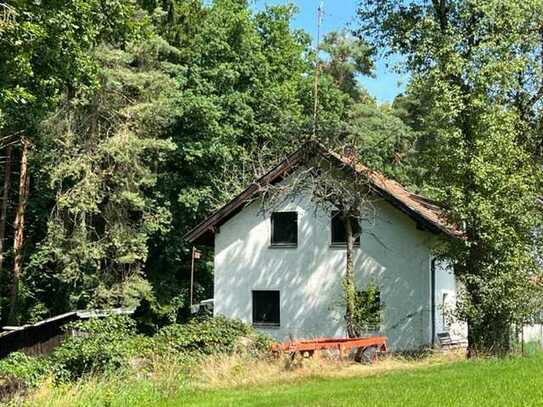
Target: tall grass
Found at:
171, 379
238, 371
130, 387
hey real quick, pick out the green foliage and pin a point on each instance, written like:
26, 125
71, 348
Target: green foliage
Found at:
242, 95
348, 57
150, 316
145, 116
110, 346
477, 67
46, 57
362, 307
110, 192
367, 310
213, 335
349, 115
382, 140
103, 162
97, 346
27, 369
46, 48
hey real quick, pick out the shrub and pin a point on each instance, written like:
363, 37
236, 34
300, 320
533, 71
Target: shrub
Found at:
211, 336
368, 309
98, 345
26, 368
19, 372
150, 316
110, 344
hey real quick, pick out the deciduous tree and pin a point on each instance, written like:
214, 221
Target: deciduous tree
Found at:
478, 67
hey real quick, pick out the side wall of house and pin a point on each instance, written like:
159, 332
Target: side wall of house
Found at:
393, 253
445, 302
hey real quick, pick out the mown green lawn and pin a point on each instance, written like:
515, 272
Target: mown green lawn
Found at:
511, 382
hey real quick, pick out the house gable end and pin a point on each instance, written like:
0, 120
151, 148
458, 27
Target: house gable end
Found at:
423, 212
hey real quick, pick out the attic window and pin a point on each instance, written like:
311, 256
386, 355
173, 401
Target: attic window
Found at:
266, 310
284, 229
338, 230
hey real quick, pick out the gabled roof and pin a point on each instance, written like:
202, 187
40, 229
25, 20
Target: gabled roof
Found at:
425, 213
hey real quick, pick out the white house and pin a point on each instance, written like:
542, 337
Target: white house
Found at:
281, 270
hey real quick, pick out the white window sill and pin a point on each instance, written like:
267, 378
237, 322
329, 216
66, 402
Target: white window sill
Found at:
266, 326
283, 246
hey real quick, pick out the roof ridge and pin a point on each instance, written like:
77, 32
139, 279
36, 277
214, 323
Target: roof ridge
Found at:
434, 219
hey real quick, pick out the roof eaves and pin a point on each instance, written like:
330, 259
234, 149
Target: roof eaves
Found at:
212, 221
435, 223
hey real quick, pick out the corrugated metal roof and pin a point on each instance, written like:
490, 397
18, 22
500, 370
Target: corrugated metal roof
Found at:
81, 314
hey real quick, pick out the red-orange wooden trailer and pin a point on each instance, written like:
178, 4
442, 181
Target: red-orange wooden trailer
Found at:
343, 345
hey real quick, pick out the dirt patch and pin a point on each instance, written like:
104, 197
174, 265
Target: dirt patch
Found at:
10, 387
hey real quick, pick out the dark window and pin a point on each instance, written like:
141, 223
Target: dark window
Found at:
284, 228
266, 308
338, 230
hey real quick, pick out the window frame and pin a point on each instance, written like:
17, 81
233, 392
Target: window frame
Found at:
257, 324
334, 214
272, 230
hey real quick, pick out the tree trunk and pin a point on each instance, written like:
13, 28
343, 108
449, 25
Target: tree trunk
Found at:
24, 183
5, 201
349, 282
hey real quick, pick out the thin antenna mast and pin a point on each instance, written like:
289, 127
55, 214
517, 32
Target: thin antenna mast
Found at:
320, 12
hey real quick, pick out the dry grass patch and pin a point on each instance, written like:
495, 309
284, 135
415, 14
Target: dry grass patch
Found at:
222, 372
139, 385
163, 379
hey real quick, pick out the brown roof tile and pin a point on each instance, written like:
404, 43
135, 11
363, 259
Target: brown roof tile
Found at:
420, 205
420, 209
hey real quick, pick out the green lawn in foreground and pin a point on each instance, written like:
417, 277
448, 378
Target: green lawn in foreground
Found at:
511, 382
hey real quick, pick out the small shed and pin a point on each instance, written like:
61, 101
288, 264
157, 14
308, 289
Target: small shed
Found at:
42, 337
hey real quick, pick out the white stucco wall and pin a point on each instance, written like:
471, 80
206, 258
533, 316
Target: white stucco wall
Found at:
445, 302
532, 333
393, 253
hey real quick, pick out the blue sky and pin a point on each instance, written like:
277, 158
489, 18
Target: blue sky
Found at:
338, 14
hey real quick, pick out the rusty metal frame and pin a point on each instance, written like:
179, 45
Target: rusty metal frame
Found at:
343, 345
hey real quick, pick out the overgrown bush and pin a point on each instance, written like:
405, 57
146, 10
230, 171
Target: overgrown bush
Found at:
213, 335
368, 309
98, 345
27, 368
150, 316
109, 345
19, 372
